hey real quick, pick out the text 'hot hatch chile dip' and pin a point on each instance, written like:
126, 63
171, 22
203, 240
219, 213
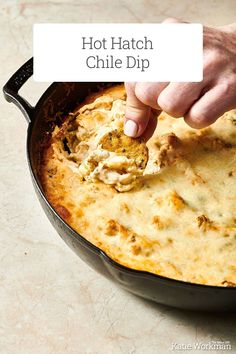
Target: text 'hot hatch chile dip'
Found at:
167, 207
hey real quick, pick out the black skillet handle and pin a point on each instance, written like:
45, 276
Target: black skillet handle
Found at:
14, 84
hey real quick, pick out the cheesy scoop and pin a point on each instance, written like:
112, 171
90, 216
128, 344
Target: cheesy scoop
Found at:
116, 160
95, 146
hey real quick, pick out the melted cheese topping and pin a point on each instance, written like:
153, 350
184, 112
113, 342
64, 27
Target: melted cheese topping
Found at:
179, 222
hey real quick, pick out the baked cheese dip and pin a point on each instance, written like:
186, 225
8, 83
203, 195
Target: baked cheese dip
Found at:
167, 206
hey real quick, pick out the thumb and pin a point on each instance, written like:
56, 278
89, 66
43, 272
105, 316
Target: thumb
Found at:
137, 114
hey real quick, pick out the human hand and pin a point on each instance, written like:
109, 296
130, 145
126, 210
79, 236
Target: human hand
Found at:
200, 103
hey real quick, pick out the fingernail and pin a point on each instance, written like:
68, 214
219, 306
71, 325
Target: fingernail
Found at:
131, 128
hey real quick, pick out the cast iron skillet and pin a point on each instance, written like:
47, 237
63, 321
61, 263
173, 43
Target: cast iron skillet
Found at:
62, 97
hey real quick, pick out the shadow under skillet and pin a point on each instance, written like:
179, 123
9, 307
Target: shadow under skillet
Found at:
215, 326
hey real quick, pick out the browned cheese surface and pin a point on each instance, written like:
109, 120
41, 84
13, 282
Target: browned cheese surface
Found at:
180, 222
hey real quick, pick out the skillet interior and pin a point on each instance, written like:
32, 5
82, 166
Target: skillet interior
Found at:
59, 99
